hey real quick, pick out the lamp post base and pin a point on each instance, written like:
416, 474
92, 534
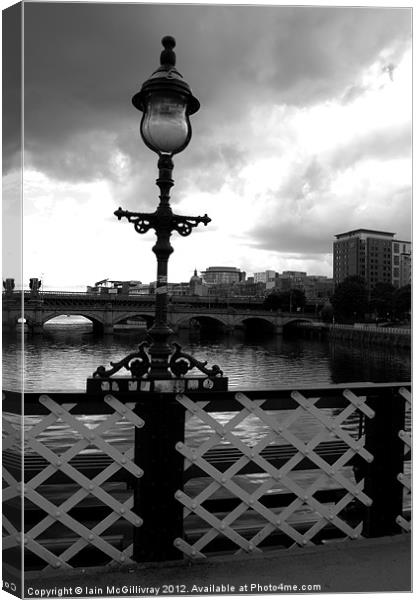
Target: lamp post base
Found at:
170, 378
96, 385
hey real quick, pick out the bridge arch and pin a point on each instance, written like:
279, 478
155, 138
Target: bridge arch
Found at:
97, 321
259, 325
204, 319
288, 323
293, 320
148, 318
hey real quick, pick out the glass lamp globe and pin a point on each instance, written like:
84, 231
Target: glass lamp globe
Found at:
166, 102
165, 125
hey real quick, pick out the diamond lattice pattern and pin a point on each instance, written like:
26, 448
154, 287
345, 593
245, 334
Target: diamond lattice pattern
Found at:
405, 477
95, 491
229, 482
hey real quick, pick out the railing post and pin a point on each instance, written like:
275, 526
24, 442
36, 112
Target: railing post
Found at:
154, 499
381, 483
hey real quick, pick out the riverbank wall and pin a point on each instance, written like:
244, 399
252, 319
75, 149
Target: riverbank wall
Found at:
364, 334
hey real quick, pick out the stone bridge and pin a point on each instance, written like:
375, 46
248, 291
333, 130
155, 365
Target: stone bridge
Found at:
106, 311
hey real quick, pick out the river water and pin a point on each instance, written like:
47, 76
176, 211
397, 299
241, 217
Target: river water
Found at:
68, 352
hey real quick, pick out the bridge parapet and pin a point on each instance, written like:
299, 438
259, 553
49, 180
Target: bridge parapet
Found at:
356, 456
109, 309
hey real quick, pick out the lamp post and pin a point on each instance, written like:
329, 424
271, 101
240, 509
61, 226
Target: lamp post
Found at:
166, 103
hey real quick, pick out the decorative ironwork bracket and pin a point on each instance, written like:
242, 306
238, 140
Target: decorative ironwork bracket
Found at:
143, 222
139, 364
184, 225
181, 362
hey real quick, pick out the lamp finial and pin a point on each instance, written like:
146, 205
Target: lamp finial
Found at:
168, 56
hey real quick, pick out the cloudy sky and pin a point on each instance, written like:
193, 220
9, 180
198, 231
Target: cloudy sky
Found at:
304, 131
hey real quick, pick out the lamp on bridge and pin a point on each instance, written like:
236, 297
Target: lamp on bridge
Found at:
166, 101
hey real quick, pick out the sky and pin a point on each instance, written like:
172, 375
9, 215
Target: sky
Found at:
304, 132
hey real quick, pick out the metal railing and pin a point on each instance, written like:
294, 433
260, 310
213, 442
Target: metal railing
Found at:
113, 478
372, 328
49, 293
356, 328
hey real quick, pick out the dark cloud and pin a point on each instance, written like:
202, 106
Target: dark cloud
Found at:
381, 144
292, 222
308, 236
325, 48
12, 96
303, 215
291, 236
304, 180
83, 63
211, 165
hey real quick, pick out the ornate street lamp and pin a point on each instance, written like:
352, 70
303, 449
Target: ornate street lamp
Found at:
166, 102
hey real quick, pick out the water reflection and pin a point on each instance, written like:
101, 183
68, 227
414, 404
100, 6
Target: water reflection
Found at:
65, 356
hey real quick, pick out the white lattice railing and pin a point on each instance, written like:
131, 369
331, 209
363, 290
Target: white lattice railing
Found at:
50, 514
251, 521
405, 477
211, 472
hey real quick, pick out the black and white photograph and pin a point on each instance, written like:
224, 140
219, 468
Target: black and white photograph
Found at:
206, 304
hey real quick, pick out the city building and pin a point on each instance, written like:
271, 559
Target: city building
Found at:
373, 255
268, 277
317, 288
242, 289
401, 263
197, 286
110, 286
222, 275
290, 280
173, 289
250, 288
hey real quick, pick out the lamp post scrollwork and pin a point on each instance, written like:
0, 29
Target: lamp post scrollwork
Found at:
166, 102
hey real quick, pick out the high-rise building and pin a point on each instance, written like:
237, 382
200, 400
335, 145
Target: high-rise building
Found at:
401, 263
369, 254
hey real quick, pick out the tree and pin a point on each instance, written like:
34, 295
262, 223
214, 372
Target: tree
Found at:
381, 299
327, 313
350, 298
272, 301
292, 300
